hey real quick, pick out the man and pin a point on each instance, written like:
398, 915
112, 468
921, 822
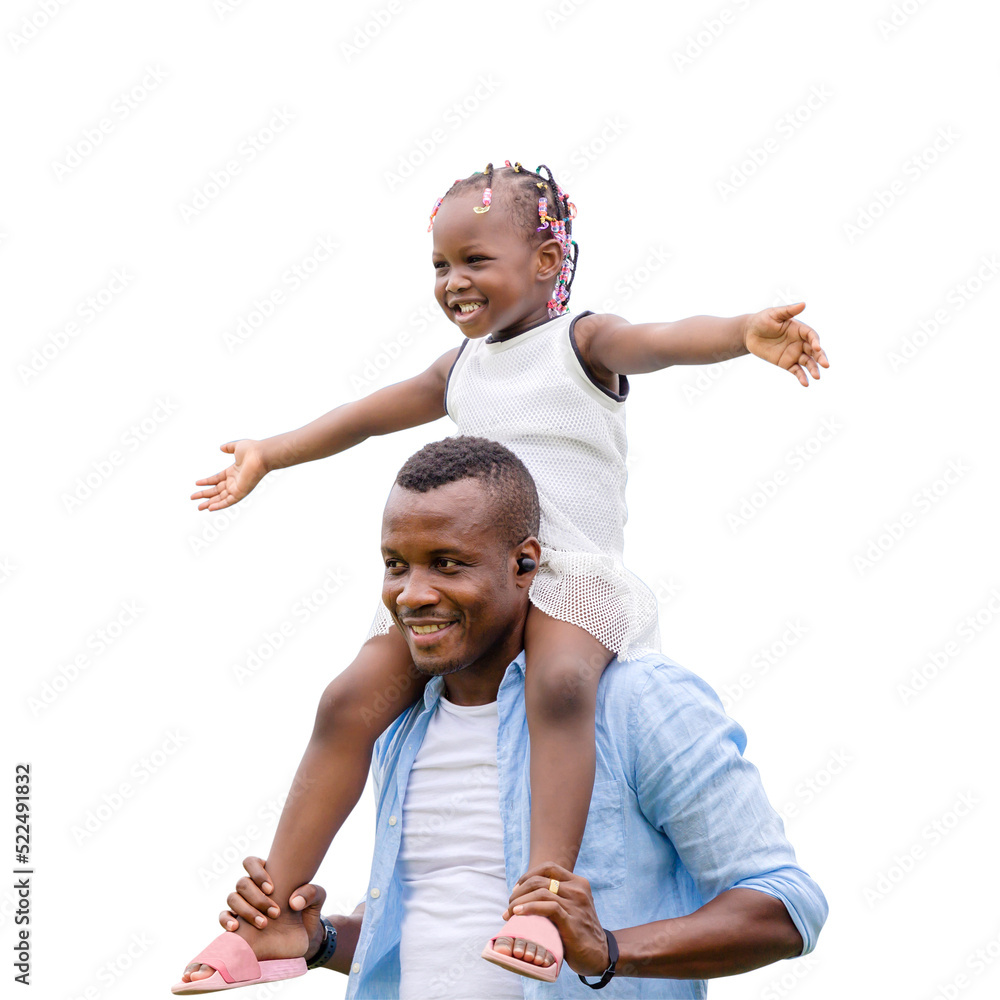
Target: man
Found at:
683, 858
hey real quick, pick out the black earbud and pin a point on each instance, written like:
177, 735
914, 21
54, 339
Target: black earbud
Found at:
525, 564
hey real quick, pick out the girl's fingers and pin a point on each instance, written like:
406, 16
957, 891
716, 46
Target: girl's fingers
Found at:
228, 920
211, 480
784, 313
817, 349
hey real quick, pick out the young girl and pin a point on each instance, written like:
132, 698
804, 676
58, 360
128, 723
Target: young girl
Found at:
552, 388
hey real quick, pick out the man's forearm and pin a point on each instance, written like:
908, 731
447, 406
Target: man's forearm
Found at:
703, 340
348, 929
739, 930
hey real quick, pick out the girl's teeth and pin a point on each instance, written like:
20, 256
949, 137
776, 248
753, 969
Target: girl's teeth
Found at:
471, 307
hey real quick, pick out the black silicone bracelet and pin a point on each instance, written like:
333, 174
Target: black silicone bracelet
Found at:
609, 972
327, 948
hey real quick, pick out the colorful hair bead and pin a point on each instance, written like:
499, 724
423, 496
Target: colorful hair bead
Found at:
487, 198
543, 204
437, 205
488, 193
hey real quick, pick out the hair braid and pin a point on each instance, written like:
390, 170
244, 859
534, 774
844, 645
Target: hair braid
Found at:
562, 230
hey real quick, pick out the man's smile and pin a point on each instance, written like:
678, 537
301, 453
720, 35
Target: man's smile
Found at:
425, 632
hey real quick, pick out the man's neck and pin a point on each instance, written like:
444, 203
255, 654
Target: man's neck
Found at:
479, 682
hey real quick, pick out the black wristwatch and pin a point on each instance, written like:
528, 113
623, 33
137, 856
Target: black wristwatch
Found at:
327, 948
609, 972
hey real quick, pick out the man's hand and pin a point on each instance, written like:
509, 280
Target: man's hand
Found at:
233, 484
251, 902
571, 910
775, 336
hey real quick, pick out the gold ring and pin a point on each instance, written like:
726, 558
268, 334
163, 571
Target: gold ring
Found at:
554, 886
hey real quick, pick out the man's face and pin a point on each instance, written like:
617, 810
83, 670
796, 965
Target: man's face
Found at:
484, 261
450, 585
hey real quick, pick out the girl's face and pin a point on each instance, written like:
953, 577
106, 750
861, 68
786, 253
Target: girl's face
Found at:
488, 277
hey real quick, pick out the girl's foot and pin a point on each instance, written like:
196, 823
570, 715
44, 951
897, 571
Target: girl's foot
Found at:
528, 951
284, 937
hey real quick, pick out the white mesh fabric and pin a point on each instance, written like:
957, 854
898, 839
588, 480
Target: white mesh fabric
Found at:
532, 394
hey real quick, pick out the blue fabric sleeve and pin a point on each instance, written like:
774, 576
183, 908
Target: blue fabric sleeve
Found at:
802, 897
694, 784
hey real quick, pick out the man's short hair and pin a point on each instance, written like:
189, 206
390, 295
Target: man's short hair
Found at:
504, 477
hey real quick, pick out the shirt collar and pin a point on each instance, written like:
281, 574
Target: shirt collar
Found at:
435, 687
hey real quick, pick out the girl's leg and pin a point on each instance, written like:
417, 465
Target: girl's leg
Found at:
563, 665
354, 710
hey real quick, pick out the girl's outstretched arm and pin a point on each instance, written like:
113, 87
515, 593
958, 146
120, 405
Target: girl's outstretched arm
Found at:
612, 345
417, 400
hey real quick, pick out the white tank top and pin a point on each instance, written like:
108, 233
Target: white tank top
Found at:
533, 394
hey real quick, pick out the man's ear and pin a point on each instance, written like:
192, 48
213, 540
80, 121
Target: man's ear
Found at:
550, 260
525, 559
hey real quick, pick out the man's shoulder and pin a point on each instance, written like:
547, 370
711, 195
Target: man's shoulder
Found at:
652, 697
653, 673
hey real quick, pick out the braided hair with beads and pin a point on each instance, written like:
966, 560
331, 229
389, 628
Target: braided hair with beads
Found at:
540, 205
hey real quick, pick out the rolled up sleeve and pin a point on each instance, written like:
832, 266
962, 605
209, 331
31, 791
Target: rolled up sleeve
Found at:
694, 784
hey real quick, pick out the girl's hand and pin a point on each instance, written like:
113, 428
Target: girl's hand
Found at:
775, 336
233, 484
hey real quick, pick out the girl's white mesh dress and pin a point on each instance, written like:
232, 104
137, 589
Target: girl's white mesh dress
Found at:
533, 394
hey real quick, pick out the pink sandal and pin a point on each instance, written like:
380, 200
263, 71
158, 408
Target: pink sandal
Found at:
235, 965
542, 931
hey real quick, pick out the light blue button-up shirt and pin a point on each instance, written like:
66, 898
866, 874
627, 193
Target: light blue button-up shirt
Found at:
677, 817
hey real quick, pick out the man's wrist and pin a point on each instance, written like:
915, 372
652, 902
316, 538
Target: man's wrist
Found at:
608, 972
315, 944
324, 949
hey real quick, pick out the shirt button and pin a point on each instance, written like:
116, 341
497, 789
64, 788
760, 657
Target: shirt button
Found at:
392, 821
356, 967
375, 894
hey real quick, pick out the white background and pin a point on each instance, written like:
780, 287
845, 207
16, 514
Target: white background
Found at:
898, 438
